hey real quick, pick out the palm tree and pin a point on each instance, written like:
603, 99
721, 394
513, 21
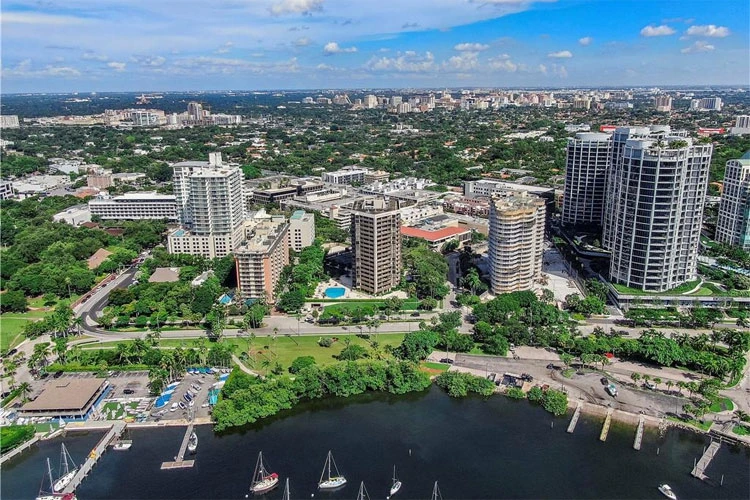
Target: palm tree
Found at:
636, 377
657, 381
24, 389
680, 386
742, 416
669, 385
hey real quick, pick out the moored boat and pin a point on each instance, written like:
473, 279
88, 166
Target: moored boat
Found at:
666, 490
329, 481
396, 484
263, 481
192, 442
66, 472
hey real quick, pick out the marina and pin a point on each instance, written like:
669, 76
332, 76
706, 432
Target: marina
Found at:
702, 464
114, 432
441, 434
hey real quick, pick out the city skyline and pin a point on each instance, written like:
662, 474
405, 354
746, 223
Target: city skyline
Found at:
295, 44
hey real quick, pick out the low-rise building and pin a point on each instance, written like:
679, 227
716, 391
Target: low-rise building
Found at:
347, 175
135, 205
476, 207
71, 398
6, 190
75, 216
9, 121
436, 235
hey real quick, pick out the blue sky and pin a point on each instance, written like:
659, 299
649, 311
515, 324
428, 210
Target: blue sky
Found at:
142, 45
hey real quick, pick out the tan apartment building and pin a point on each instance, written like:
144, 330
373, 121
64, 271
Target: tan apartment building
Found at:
261, 257
376, 243
516, 241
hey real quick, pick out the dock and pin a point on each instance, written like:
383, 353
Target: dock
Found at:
607, 423
19, 449
702, 464
574, 420
114, 432
639, 433
179, 461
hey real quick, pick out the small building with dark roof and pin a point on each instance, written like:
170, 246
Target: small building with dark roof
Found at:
68, 397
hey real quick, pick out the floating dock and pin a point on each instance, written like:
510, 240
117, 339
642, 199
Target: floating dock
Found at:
179, 460
114, 432
607, 423
574, 420
702, 464
639, 433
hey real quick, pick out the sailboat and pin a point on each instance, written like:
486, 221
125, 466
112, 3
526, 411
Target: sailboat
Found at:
51, 495
263, 481
331, 482
286, 494
66, 472
436, 492
193, 442
396, 485
123, 444
362, 495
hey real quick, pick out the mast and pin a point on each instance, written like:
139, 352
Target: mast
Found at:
436, 492
285, 495
49, 473
330, 459
394, 474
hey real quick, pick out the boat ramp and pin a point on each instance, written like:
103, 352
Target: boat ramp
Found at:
702, 464
574, 420
639, 433
607, 423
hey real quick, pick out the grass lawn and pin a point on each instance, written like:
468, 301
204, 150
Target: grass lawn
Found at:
436, 366
685, 287
284, 349
11, 326
116, 411
723, 404
742, 430
369, 307
703, 291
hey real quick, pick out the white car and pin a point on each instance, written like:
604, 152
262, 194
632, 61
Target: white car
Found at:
173, 407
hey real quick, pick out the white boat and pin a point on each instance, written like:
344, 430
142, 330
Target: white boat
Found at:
192, 442
66, 473
123, 444
362, 494
396, 485
328, 481
263, 481
51, 495
436, 493
666, 490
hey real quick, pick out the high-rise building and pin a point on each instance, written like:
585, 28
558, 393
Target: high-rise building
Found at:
733, 224
9, 121
376, 242
663, 103
741, 125
195, 111
370, 101
301, 230
261, 257
656, 189
588, 156
516, 241
210, 207
706, 104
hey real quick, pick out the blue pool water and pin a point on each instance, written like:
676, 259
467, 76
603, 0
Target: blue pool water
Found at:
335, 292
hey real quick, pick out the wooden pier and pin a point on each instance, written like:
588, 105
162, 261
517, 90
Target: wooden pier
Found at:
114, 432
639, 433
607, 423
574, 420
179, 460
702, 464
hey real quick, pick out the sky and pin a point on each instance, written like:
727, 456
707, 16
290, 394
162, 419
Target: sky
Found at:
162, 45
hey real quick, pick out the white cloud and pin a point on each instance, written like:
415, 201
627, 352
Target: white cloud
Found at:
117, 66
562, 54
24, 70
407, 62
543, 69
502, 63
662, 30
333, 48
709, 30
36, 18
463, 62
324, 67
699, 46
302, 42
92, 56
559, 71
151, 61
296, 7
224, 48
471, 47
585, 40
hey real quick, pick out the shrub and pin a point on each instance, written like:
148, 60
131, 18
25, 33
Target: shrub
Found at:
535, 395
515, 393
459, 384
325, 342
301, 362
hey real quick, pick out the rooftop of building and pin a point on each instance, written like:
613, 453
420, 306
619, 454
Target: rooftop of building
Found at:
99, 256
300, 215
165, 275
512, 186
262, 235
65, 394
136, 195
516, 200
435, 234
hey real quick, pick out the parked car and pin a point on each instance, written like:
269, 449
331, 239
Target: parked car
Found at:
128, 391
182, 405
447, 360
612, 390
649, 385
604, 381
527, 377
173, 407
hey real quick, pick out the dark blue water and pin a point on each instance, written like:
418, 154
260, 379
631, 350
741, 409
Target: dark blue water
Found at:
496, 448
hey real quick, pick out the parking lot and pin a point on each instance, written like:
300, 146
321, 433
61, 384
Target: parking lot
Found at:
198, 385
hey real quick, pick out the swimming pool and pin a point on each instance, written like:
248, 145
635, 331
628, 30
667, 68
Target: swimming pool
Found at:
335, 292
